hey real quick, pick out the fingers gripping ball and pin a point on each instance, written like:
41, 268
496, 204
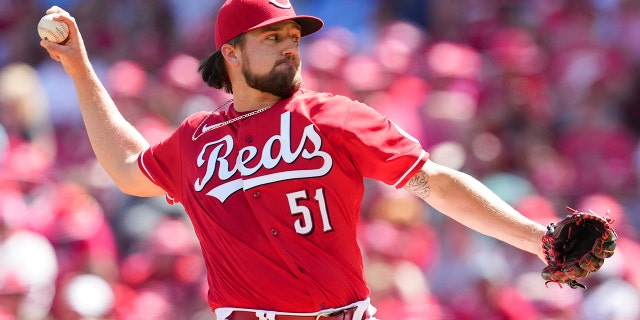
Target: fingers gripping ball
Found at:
52, 30
576, 246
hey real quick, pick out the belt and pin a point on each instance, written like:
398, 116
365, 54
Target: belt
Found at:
339, 315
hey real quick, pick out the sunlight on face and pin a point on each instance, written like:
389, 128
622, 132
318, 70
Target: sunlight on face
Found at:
281, 41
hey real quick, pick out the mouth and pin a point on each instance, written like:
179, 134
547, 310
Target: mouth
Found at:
287, 62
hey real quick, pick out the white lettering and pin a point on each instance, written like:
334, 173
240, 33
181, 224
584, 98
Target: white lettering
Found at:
214, 157
284, 5
250, 152
276, 151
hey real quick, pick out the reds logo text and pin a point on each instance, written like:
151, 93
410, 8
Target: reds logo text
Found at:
284, 4
217, 158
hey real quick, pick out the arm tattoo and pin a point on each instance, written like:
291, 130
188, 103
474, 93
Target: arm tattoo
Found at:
419, 185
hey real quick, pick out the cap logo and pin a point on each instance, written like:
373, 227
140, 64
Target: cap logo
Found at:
284, 4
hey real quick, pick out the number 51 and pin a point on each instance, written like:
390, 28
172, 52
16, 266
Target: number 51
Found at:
304, 225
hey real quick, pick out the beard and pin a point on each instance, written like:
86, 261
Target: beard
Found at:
281, 81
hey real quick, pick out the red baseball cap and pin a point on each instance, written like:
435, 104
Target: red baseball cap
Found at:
236, 17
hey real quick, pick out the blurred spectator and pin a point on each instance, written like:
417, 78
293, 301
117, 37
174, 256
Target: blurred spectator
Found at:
87, 296
31, 149
167, 271
28, 263
74, 223
398, 246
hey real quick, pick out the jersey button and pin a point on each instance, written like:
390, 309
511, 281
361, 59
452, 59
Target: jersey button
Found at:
249, 138
274, 232
256, 194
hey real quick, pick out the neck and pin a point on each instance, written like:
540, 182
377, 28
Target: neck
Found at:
251, 100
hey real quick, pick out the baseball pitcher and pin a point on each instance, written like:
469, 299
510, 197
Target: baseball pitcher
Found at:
273, 179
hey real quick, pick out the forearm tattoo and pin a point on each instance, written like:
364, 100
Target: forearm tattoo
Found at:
419, 185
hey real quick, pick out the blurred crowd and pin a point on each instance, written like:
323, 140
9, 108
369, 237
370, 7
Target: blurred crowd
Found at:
539, 99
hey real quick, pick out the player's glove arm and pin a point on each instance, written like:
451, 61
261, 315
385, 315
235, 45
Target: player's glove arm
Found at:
468, 201
576, 246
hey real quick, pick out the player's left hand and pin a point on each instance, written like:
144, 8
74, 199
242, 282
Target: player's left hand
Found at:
576, 246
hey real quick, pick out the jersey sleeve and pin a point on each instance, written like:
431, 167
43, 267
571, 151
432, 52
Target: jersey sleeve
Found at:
161, 163
376, 146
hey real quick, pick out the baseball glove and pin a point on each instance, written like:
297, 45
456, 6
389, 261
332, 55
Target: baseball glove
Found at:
576, 246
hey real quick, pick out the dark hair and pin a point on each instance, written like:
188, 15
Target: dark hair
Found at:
213, 70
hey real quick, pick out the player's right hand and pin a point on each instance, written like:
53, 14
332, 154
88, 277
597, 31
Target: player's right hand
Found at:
72, 54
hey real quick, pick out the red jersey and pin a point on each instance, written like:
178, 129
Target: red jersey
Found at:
274, 198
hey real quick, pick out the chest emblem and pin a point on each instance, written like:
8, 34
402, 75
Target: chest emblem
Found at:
239, 170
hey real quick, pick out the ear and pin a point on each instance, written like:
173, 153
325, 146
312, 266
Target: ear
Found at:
230, 54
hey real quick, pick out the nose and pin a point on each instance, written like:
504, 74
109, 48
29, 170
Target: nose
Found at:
292, 46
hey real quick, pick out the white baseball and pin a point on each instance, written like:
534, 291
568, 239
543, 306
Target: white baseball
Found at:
52, 30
